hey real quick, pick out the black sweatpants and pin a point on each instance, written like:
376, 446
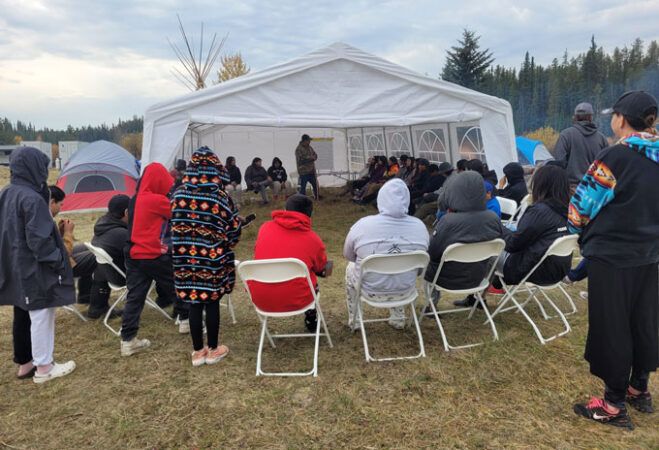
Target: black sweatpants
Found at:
139, 275
85, 266
212, 324
623, 326
22, 336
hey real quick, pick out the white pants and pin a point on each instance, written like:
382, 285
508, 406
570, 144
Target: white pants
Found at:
277, 185
43, 335
396, 315
236, 193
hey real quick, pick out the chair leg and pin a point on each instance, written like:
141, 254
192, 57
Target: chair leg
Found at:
317, 343
107, 314
74, 310
489, 317
418, 330
360, 317
260, 351
570, 301
321, 316
230, 306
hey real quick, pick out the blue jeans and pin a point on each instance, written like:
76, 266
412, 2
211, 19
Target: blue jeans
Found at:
308, 178
580, 272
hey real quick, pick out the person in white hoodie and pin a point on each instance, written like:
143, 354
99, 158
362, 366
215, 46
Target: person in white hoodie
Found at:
389, 232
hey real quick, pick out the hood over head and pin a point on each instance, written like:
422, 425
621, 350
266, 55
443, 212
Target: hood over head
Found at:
514, 172
394, 198
465, 192
586, 127
647, 144
155, 179
205, 172
292, 220
29, 166
276, 160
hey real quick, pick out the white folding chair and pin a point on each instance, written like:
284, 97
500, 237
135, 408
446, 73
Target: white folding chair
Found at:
509, 207
521, 209
72, 309
277, 271
393, 264
102, 257
562, 246
465, 253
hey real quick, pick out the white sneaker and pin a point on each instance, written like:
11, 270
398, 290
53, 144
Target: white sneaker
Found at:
58, 370
183, 325
134, 346
397, 323
566, 280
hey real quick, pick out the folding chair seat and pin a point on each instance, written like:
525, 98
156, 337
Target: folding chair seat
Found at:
562, 246
468, 253
102, 257
277, 271
393, 264
509, 207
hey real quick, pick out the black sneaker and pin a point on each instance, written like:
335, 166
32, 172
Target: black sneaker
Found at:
93, 315
596, 410
641, 402
468, 302
311, 320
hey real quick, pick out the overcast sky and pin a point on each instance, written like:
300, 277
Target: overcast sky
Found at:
92, 62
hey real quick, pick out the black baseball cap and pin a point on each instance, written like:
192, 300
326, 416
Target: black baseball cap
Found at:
305, 137
634, 104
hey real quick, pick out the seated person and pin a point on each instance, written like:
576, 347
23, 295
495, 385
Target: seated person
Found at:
110, 234
418, 181
376, 176
407, 169
277, 175
234, 188
461, 165
390, 231
256, 178
391, 172
289, 235
428, 206
466, 220
363, 176
492, 202
512, 185
478, 166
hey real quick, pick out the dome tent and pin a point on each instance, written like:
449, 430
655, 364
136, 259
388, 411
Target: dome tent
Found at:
94, 174
531, 152
361, 103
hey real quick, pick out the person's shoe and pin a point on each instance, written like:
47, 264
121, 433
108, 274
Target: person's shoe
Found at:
397, 324
641, 402
596, 410
199, 357
183, 326
93, 315
495, 291
29, 374
134, 346
566, 280
275, 197
311, 320
583, 295
58, 370
216, 354
266, 202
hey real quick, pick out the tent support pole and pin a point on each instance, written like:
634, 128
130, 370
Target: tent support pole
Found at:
411, 140
364, 147
345, 133
384, 137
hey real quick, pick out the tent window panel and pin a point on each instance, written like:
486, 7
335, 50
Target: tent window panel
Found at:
398, 142
356, 148
94, 183
324, 147
471, 143
374, 143
431, 145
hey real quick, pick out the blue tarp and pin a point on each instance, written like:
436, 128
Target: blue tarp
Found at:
530, 151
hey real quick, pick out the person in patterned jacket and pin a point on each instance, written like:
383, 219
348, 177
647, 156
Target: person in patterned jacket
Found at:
205, 228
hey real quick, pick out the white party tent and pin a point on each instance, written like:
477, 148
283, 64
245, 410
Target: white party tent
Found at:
352, 103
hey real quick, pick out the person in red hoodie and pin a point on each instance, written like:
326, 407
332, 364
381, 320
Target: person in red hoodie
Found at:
147, 256
289, 235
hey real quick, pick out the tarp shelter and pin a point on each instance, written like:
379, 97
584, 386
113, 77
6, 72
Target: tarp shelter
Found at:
530, 151
356, 103
94, 174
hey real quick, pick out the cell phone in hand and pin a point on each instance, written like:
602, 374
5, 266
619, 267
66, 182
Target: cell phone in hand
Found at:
249, 219
327, 271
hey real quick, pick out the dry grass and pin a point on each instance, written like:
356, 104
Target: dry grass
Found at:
512, 393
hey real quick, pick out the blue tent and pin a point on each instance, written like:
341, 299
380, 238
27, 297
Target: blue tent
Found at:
530, 151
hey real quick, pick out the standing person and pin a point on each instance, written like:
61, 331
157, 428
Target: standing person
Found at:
578, 146
147, 255
279, 178
35, 273
177, 172
257, 178
616, 210
205, 228
306, 157
234, 188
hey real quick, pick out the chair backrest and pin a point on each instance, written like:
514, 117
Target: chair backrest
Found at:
562, 246
470, 253
523, 205
396, 263
508, 206
102, 257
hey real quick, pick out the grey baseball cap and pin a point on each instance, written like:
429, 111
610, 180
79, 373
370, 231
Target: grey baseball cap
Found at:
584, 108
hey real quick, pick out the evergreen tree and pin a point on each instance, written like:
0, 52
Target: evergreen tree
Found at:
466, 64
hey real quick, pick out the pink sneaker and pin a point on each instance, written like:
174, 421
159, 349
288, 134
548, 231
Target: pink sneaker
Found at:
199, 357
215, 354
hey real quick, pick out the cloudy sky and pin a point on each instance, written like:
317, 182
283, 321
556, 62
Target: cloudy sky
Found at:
91, 62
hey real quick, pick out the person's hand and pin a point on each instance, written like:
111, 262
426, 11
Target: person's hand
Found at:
269, 179
502, 182
60, 227
68, 225
233, 183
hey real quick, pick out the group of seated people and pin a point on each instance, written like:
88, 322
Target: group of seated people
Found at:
257, 179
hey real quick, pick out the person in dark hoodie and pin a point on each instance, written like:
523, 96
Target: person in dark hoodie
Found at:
277, 175
488, 175
35, 272
234, 188
110, 234
467, 221
257, 179
615, 209
512, 185
578, 145
147, 255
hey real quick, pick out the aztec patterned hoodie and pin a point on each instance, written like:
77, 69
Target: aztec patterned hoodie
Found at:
616, 206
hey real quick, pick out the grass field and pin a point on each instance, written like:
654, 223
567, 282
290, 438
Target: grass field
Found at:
511, 393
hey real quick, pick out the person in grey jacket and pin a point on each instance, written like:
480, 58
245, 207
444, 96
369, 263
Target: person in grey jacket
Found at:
35, 272
578, 145
257, 178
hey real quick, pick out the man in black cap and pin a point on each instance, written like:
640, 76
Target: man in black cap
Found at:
578, 145
306, 157
616, 210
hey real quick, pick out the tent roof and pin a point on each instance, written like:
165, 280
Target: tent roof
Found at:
102, 156
338, 86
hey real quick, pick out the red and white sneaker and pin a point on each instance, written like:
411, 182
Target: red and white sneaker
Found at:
596, 410
199, 357
216, 354
495, 291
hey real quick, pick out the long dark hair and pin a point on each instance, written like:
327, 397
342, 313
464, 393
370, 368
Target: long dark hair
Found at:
231, 161
550, 185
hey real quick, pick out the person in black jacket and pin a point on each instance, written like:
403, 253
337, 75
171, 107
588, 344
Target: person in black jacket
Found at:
234, 188
110, 234
467, 221
513, 180
488, 175
277, 175
256, 178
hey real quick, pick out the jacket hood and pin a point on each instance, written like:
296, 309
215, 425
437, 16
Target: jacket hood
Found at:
586, 127
292, 220
277, 160
647, 144
107, 223
205, 172
465, 192
156, 179
29, 166
394, 198
514, 172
